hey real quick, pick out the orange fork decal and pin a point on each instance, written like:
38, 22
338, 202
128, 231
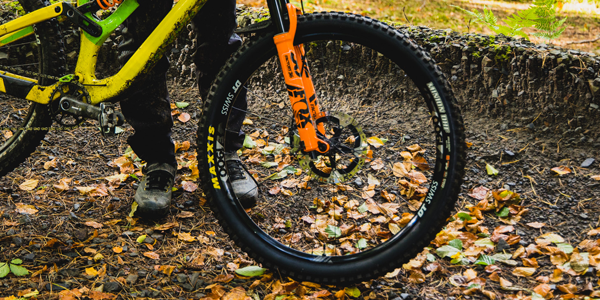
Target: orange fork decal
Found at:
300, 87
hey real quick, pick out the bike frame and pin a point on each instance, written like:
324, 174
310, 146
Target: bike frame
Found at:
298, 80
99, 90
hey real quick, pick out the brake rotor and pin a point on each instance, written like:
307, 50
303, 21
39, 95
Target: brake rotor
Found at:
347, 150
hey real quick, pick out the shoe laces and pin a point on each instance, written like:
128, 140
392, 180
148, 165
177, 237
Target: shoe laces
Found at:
236, 170
159, 180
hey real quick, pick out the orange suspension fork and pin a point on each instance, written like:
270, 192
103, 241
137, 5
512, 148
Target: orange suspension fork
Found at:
300, 86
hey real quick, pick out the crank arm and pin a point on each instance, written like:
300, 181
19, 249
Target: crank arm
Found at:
105, 114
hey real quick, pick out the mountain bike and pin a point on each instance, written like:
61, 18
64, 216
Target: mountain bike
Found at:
351, 130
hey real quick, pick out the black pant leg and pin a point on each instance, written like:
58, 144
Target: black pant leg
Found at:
147, 109
215, 25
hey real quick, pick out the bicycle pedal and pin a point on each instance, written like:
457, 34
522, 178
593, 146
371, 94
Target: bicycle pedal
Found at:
109, 119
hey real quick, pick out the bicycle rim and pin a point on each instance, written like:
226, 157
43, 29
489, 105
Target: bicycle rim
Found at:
362, 202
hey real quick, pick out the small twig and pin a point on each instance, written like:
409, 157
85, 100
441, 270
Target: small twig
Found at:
469, 26
405, 16
584, 41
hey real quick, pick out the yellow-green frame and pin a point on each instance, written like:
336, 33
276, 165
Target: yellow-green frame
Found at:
104, 89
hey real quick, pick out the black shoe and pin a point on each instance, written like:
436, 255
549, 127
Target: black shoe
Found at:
243, 184
153, 195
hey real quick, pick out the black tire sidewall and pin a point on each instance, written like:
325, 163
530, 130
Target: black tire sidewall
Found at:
371, 264
51, 54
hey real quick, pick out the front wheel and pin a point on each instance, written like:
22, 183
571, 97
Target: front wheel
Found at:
395, 164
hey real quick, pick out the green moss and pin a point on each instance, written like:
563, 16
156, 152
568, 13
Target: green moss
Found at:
476, 54
434, 39
502, 53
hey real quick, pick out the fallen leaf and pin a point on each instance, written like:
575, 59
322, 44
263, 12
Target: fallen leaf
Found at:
523, 271
117, 249
401, 169
151, 255
416, 276
251, 271
51, 243
165, 269
556, 276
290, 183
25, 209
579, 262
323, 294
548, 238
116, 179
414, 148
216, 253
561, 170
140, 239
530, 262
372, 181
542, 289
185, 236
491, 170
91, 271
63, 184
568, 288
353, 292
166, 226
375, 141
98, 257
491, 295
237, 293
505, 283
275, 190
29, 184
183, 146
185, 214
95, 295
417, 177
93, 224
421, 163
85, 190
224, 278
537, 225
68, 294
184, 117
470, 274
377, 164
189, 186
388, 196
50, 164
9, 223
406, 155
479, 192
7, 134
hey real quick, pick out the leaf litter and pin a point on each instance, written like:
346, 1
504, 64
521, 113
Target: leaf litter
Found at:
556, 257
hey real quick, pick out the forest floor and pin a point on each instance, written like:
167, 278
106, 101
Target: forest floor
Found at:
67, 220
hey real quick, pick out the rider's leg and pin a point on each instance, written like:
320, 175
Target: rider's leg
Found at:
147, 109
214, 26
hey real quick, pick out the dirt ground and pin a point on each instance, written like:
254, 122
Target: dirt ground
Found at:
58, 245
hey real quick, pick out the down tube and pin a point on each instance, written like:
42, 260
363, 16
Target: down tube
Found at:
150, 51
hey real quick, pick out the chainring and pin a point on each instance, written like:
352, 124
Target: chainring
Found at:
347, 154
74, 90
